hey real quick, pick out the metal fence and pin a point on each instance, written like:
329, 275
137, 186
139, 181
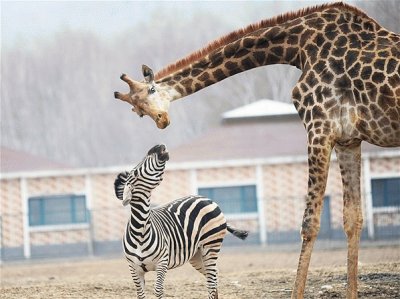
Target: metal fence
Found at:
100, 231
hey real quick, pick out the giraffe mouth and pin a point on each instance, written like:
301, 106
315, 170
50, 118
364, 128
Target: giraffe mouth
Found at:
162, 120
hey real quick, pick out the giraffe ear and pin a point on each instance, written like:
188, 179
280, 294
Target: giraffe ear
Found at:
147, 73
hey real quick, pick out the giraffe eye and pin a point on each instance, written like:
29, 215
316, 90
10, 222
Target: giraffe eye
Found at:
152, 90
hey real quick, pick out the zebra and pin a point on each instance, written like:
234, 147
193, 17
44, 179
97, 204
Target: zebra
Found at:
190, 229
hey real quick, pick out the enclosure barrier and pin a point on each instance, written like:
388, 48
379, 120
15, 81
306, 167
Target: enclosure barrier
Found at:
98, 232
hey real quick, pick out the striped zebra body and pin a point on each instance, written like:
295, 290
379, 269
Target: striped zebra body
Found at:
157, 239
174, 231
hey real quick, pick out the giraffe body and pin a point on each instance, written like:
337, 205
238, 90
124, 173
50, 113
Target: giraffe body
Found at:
349, 92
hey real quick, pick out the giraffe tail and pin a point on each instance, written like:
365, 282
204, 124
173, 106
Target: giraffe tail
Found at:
241, 234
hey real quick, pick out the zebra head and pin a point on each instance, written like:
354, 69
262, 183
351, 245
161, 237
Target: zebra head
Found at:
144, 177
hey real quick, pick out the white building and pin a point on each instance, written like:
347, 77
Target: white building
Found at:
254, 165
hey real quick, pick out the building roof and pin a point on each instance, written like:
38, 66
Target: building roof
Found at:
261, 108
245, 134
249, 133
18, 161
243, 140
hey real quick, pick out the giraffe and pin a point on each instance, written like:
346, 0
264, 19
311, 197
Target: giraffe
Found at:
349, 92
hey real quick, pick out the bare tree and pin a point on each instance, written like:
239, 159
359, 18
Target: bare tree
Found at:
57, 94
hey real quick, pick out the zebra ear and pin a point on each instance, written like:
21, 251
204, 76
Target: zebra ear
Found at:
127, 196
119, 184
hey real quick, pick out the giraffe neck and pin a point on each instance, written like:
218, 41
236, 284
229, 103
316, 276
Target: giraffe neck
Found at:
266, 46
298, 40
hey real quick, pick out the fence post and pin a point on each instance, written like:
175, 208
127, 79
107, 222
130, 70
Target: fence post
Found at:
260, 205
1, 240
25, 217
369, 209
90, 233
89, 213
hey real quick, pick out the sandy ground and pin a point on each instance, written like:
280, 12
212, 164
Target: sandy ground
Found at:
244, 273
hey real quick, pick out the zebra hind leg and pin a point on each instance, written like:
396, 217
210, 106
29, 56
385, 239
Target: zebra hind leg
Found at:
210, 256
205, 261
197, 262
138, 279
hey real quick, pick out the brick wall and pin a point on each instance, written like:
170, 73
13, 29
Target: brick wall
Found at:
11, 213
284, 189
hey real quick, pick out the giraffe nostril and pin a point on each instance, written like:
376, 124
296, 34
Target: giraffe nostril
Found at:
159, 115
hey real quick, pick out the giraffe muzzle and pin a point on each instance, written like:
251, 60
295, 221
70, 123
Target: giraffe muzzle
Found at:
162, 120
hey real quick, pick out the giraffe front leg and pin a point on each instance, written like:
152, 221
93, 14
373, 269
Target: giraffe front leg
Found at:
161, 270
349, 159
138, 279
318, 166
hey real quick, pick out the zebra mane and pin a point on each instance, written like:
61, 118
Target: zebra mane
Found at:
119, 184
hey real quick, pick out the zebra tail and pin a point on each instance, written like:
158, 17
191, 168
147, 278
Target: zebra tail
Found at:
241, 234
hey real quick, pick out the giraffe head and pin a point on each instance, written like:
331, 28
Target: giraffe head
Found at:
147, 97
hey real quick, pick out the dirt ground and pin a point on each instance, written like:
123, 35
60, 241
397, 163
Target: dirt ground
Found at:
244, 273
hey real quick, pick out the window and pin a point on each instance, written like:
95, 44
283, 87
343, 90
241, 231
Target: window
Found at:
233, 200
53, 210
385, 192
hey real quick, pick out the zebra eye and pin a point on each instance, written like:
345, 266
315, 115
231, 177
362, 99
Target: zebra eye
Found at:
152, 90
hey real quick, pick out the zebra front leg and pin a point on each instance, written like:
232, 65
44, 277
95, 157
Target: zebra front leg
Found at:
138, 279
161, 270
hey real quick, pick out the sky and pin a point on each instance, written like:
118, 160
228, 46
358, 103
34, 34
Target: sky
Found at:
28, 20
25, 21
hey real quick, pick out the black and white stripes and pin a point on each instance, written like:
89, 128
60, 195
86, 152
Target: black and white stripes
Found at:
157, 239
